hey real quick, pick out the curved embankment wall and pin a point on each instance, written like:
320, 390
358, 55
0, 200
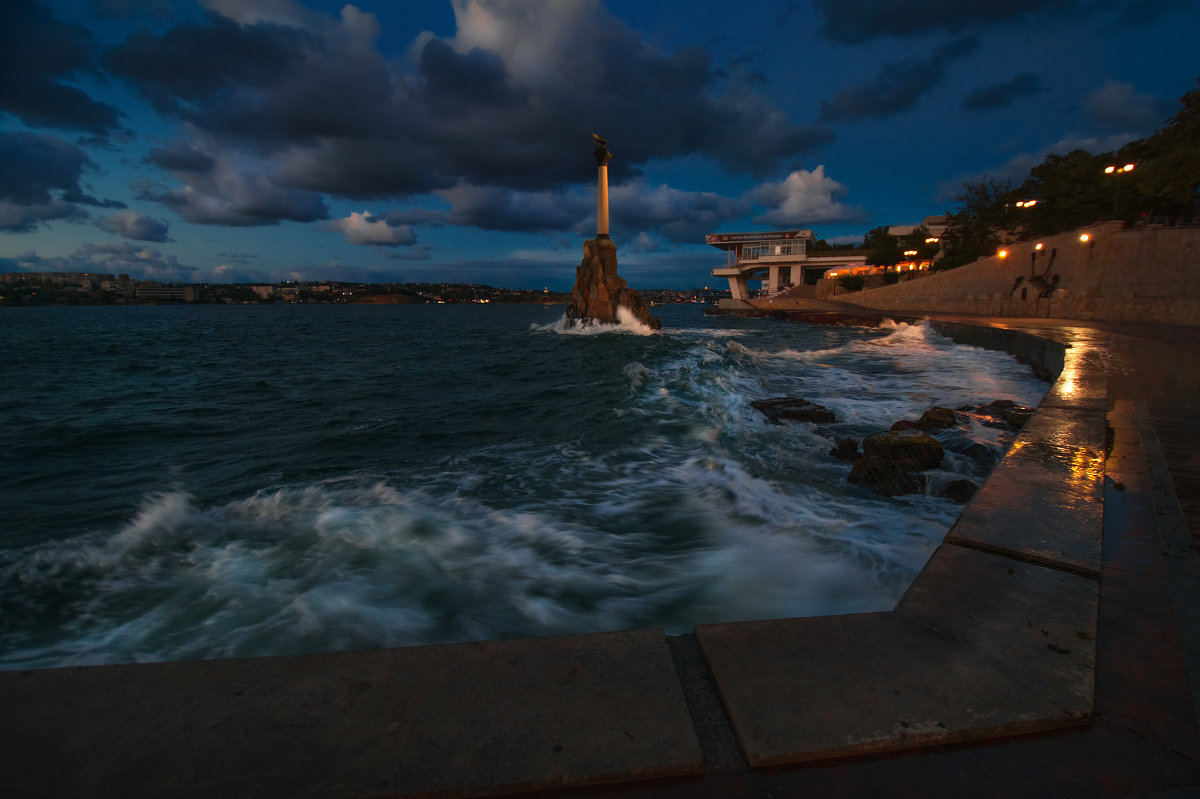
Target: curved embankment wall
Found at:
1142, 275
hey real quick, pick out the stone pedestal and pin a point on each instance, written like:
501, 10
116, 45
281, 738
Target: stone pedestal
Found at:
599, 291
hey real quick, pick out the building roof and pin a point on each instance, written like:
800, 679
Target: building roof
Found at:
727, 240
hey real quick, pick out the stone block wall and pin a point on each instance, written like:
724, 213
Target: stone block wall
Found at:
1140, 275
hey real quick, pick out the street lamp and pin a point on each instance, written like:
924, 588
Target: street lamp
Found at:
1116, 170
1018, 204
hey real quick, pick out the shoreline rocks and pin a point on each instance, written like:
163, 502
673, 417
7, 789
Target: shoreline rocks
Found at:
893, 461
600, 292
794, 409
896, 462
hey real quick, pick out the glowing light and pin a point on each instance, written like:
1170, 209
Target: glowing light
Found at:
1038, 246
1108, 170
1128, 168
1003, 253
933, 240
1085, 237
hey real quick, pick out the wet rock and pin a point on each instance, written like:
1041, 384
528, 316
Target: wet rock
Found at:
794, 409
921, 448
1018, 418
937, 418
1005, 412
892, 462
889, 478
960, 490
982, 457
846, 450
905, 424
600, 292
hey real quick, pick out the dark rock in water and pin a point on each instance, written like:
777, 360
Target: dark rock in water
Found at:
1018, 418
794, 409
905, 424
893, 462
1005, 411
960, 490
937, 418
921, 448
846, 450
889, 478
981, 455
599, 291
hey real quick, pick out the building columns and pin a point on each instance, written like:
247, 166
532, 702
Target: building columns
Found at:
738, 289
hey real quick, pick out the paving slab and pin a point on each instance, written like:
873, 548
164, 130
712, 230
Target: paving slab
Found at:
1043, 502
812, 689
1083, 382
1035, 624
465, 719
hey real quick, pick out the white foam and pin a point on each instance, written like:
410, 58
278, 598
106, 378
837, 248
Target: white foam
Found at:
627, 323
684, 506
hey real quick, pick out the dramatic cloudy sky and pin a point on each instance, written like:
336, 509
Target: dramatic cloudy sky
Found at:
262, 140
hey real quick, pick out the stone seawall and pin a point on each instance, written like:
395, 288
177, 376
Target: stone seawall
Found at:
1142, 275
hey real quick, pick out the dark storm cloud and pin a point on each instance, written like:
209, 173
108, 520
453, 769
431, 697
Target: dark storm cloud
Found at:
36, 165
638, 208
677, 216
1004, 94
858, 21
40, 181
508, 101
133, 225
236, 198
194, 65
180, 157
477, 77
37, 53
499, 208
896, 86
19, 218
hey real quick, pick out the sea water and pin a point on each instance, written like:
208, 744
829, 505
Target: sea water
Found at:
234, 481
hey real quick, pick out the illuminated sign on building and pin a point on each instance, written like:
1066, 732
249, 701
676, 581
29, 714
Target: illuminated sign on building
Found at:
774, 235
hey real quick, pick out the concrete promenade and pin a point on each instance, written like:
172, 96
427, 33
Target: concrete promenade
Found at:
1051, 647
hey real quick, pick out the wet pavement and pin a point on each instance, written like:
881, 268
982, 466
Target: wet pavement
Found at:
1051, 647
1143, 736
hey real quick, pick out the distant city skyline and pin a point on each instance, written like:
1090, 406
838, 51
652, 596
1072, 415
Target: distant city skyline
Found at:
270, 140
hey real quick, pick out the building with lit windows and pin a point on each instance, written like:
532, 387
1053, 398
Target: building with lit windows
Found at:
781, 258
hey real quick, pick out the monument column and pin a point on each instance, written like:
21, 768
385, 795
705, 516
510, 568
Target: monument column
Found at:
603, 156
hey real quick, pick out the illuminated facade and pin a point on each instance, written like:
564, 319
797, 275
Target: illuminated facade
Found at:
779, 256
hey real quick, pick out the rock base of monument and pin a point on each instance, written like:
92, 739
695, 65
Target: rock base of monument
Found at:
600, 292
